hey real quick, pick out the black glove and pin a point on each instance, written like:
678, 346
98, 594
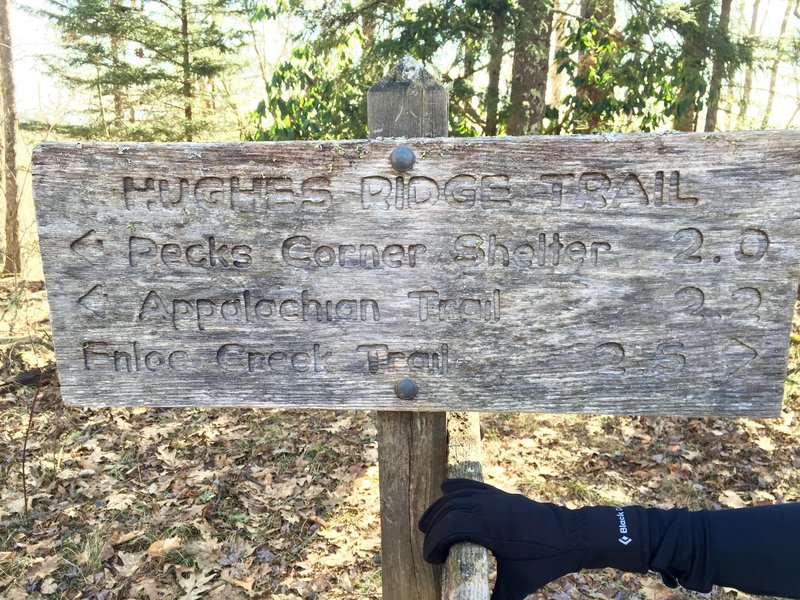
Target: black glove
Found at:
534, 543
750, 549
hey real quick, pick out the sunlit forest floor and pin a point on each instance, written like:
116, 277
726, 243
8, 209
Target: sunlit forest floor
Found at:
153, 503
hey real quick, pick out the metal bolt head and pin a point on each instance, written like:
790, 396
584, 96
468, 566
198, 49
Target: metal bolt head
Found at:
402, 158
406, 389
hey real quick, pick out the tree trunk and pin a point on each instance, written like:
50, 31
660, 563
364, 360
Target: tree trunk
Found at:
529, 70
186, 68
368, 29
100, 103
744, 102
13, 256
211, 94
119, 110
693, 57
262, 65
793, 117
773, 75
471, 50
715, 87
117, 51
495, 63
555, 78
602, 12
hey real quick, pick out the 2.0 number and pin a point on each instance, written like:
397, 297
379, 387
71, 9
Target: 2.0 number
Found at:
753, 245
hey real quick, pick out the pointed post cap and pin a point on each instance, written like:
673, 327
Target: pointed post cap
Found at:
408, 102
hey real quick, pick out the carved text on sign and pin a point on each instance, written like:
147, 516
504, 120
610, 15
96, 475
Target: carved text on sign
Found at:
281, 193
237, 358
471, 250
248, 307
130, 358
262, 194
207, 253
599, 190
301, 252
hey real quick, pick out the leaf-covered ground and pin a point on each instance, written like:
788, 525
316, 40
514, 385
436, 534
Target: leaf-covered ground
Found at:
151, 503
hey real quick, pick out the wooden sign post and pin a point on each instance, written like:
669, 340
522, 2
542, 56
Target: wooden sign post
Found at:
617, 274
413, 447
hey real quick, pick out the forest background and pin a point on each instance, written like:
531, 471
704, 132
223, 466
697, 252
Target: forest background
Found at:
143, 503
161, 70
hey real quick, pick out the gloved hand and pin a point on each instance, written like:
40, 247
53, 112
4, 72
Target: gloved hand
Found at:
750, 549
534, 543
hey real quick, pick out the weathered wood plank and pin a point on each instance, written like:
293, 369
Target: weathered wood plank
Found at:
648, 274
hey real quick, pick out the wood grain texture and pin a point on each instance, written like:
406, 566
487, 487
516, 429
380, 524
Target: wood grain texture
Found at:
640, 274
408, 103
412, 459
466, 573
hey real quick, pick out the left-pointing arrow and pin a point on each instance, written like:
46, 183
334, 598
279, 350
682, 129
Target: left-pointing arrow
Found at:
89, 247
95, 301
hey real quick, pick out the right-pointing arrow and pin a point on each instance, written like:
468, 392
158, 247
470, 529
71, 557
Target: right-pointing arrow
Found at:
738, 355
95, 302
89, 247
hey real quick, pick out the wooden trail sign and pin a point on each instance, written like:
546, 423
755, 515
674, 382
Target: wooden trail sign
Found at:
642, 274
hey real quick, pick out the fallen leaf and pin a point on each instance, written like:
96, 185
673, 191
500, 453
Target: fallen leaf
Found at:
121, 538
48, 586
197, 476
195, 584
246, 583
762, 497
15, 592
167, 456
333, 560
106, 553
731, 499
65, 474
119, 501
765, 444
162, 547
691, 454
320, 583
11, 507
339, 425
42, 567
130, 563
148, 586
345, 582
